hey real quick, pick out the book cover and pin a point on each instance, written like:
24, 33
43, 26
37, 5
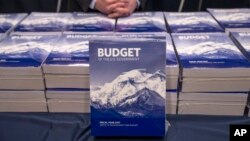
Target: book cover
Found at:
8, 21
71, 49
44, 22
142, 22
243, 41
90, 22
232, 18
127, 87
70, 54
192, 22
208, 51
25, 50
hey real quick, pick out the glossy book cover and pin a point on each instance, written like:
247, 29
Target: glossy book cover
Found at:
192, 22
243, 38
25, 50
128, 87
8, 21
69, 50
142, 22
44, 22
208, 51
90, 22
232, 18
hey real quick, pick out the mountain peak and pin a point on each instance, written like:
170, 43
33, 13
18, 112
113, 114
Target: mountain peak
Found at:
127, 85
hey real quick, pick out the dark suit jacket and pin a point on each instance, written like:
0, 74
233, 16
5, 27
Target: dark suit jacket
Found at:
84, 4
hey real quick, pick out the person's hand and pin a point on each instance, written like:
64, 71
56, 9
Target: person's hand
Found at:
126, 9
108, 6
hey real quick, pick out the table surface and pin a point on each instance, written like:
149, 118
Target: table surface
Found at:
76, 127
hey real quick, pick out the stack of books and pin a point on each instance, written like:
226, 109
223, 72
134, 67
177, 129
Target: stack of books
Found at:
211, 64
44, 22
142, 22
232, 19
192, 22
90, 22
21, 80
171, 101
67, 74
208, 103
243, 42
9, 21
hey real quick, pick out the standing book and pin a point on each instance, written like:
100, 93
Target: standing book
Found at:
128, 87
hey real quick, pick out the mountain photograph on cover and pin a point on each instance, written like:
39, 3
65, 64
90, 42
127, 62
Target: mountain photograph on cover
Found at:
42, 22
208, 50
30, 50
191, 22
142, 22
135, 93
90, 22
5, 23
243, 42
232, 18
8, 21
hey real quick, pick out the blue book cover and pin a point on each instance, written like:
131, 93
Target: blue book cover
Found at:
72, 49
8, 21
142, 22
90, 22
44, 22
192, 22
243, 40
232, 18
208, 51
127, 87
25, 50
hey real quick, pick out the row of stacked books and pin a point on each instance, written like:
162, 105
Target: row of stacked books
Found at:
215, 20
58, 70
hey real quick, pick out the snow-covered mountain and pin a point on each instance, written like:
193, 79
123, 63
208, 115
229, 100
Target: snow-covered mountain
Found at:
74, 47
141, 20
4, 20
44, 21
35, 50
234, 17
24, 47
192, 21
211, 49
91, 20
132, 94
